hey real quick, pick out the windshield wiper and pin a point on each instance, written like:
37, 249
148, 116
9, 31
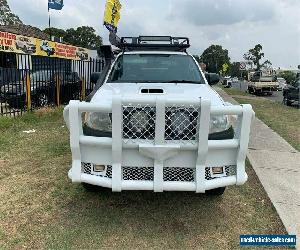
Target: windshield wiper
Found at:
183, 81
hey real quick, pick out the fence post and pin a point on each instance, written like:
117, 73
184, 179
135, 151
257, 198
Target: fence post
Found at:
57, 83
83, 89
28, 90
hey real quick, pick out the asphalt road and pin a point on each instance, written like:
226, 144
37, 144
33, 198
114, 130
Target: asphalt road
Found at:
243, 86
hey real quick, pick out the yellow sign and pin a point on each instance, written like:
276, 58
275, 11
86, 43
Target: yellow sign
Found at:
112, 15
33, 46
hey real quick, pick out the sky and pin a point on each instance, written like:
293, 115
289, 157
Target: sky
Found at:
237, 25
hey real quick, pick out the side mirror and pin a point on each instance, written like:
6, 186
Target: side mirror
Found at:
95, 77
212, 78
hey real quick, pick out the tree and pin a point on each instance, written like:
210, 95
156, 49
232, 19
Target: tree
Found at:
215, 57
84, 36
197, 58
289, 76
55, 32
253, 56
235, 69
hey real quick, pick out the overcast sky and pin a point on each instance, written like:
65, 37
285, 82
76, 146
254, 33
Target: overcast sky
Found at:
237, 25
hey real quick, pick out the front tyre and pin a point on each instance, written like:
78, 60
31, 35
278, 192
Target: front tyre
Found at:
215, 192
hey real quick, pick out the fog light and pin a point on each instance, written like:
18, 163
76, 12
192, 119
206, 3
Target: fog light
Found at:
217, 170
99, 168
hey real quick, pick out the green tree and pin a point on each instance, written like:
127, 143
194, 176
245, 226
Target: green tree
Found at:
254, 56
215, 57
84, 37
197, 58
55, 32
235, 69
289, 76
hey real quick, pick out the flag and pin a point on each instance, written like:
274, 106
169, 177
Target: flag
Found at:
55, 4
112, 15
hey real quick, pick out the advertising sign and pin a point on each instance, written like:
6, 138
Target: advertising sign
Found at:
112, 15
33, 46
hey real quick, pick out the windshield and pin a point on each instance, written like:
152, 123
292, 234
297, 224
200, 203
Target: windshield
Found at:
155, 68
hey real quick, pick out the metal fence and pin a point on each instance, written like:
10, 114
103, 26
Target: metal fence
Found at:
29, 82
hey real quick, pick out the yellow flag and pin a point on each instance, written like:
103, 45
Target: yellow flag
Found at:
112, 15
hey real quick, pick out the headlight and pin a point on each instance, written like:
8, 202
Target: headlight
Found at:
219, 123
97, 121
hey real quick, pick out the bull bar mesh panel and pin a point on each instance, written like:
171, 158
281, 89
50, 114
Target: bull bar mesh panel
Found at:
138, 173
138, 122
147, 173
181, 123
179, 174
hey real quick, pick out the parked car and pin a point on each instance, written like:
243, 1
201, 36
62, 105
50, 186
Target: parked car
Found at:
155, 123
82, 54
8, 75
43, 89
291, 93
46, 47
235, 79
282, 83
25, 44
227, 82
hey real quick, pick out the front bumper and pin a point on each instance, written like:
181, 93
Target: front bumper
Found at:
155, 160
176, 182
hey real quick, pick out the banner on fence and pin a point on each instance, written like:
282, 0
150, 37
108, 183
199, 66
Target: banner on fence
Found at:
33, 46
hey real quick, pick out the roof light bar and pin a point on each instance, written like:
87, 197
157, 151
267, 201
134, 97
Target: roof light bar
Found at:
161, 43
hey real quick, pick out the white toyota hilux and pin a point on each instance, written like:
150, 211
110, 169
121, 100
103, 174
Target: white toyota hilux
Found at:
155, 123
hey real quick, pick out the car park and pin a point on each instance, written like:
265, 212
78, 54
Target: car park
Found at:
43, 88
153, 122
291, 93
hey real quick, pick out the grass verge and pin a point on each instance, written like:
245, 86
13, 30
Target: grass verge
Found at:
282, 119
233, 91
40, 208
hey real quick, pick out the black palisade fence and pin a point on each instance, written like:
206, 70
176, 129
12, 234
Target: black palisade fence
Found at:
30, 82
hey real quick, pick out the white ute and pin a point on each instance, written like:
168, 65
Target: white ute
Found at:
153, 122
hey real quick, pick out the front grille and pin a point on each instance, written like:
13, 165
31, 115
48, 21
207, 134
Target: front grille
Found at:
147, 173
